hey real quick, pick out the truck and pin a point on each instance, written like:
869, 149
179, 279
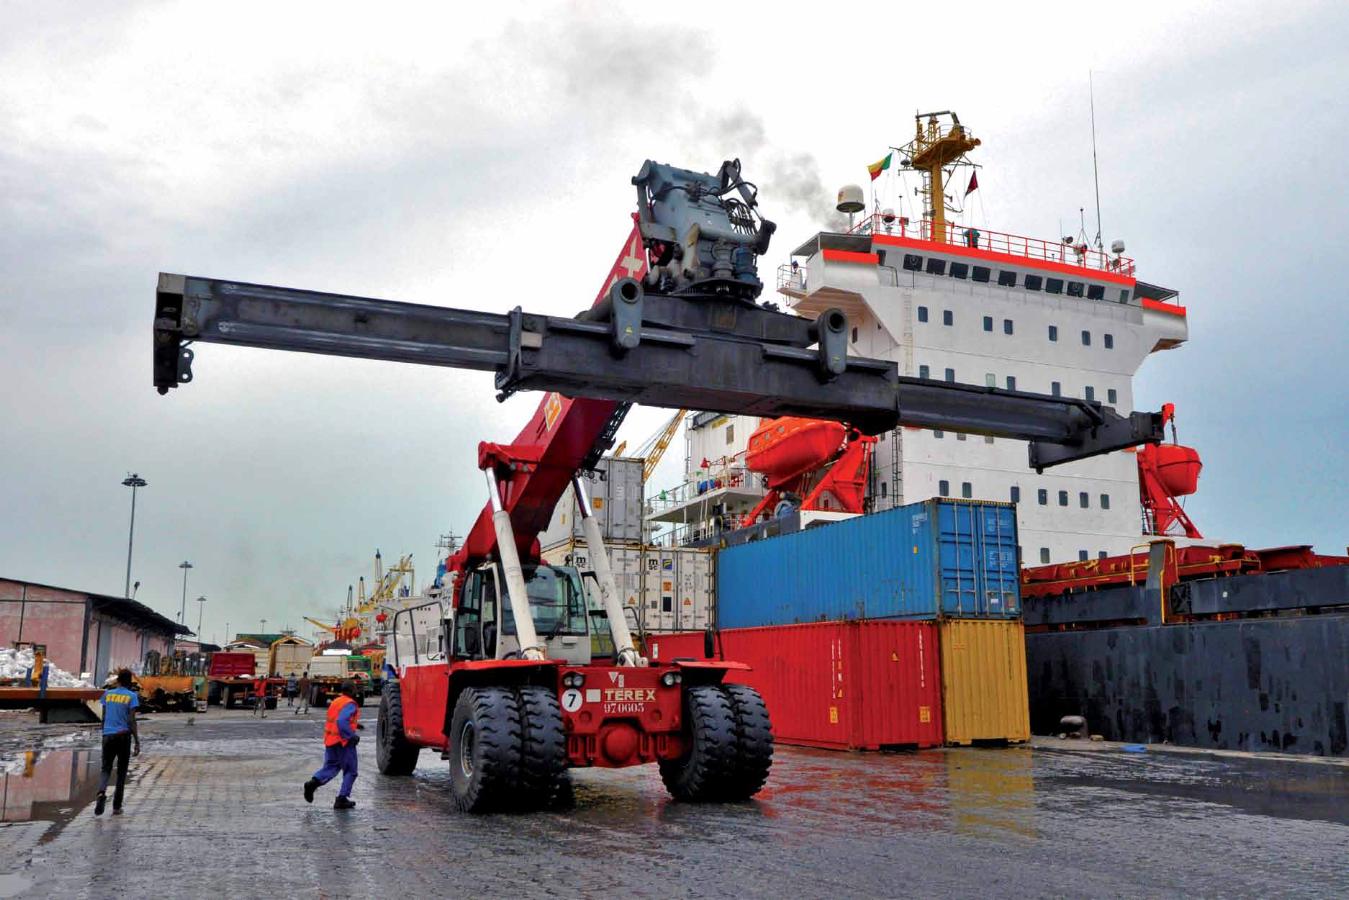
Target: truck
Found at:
327, 671
232, 677
497, 675
289, 656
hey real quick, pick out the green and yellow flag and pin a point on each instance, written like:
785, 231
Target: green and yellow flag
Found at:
879, 166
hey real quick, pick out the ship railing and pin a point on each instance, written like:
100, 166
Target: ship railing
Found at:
791, 277
736, 477
686, 533
1066, 252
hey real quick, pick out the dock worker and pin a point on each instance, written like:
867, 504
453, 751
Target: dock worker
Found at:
260, 698
339, 747
121, 740
303, 688
291, 684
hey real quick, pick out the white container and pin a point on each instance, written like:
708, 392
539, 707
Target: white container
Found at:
616, 496
671, 588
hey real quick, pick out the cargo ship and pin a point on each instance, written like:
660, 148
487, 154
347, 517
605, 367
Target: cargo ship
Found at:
960, 303
907, 625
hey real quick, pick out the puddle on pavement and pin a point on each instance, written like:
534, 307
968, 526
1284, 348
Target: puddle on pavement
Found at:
47, 786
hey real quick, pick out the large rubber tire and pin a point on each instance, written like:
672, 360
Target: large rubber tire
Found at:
393, 753
543, 747
708, 765
485, 749
753, 742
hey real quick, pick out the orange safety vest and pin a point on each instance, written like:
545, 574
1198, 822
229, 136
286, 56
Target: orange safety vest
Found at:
331, 736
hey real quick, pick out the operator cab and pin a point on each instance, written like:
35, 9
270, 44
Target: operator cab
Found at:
485, 629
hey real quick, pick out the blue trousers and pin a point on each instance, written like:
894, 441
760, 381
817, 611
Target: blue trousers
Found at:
338, 759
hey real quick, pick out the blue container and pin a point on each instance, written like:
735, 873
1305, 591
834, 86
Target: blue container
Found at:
939, 558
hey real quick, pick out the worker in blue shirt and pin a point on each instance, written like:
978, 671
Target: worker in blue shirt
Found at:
119, 736
339, 747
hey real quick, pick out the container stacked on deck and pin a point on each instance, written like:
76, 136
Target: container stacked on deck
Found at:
669, 588
901, 628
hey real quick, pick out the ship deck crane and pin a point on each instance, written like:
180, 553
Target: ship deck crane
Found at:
688, 334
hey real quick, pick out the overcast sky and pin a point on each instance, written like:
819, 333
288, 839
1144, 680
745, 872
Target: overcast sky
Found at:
478, 160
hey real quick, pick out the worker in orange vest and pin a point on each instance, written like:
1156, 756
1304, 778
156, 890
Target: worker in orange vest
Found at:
339, 747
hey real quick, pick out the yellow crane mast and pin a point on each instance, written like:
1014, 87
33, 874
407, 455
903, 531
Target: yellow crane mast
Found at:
937, 144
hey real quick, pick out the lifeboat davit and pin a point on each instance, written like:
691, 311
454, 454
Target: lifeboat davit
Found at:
790, 446
1177, 467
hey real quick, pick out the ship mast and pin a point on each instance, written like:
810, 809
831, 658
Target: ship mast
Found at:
936, 145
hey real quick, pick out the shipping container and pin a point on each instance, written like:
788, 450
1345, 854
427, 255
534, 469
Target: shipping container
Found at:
871, 685
985, 697
941, 557
670, 588
616, 496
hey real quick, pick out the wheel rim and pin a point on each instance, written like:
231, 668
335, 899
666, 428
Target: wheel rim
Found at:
468, 738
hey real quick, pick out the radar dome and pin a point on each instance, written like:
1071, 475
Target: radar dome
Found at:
851, 199
1117, 246
887, 215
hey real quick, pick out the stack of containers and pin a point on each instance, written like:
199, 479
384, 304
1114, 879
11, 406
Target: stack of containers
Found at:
671, 588
914, 624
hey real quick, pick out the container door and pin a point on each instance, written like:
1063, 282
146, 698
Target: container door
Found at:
1000, 580
695, 590
957, 537
660, 589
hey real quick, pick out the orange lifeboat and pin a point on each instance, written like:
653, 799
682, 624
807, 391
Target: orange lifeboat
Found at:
1177, 467
790, 446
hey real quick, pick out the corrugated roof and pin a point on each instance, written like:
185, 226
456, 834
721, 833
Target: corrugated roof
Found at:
129, 611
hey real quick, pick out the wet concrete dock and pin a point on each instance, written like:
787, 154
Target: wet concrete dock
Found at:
215, 806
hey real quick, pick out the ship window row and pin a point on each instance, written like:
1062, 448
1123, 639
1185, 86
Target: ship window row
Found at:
1009, 327
1082, 555
934, 265
1055, 387
966, 489
1083, 497
1042, 496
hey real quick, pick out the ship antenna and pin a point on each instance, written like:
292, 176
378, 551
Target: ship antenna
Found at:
1095, 170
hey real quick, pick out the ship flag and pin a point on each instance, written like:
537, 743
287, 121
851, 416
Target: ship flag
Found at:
879, 166
974, 184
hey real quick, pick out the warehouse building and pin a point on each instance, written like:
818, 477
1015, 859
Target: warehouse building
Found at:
83, 631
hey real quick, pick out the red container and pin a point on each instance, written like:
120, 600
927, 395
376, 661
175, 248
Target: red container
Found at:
858, 685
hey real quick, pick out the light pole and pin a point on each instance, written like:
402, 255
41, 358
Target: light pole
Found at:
182, 609
132, 481
201, 606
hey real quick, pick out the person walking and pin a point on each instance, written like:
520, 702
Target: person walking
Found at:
290, 689
303, 687
260, 698
339, 747
121, 740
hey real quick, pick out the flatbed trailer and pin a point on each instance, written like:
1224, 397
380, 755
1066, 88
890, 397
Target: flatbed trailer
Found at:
53, 704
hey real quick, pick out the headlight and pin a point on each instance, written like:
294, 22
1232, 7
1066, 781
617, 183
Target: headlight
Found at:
670, 679
573, 680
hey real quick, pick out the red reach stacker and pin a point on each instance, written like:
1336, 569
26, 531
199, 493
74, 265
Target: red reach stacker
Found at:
503, 680
499, 675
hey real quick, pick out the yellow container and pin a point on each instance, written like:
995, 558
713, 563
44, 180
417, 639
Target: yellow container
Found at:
983, 680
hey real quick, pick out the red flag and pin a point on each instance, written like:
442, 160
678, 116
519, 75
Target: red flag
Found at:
974, 183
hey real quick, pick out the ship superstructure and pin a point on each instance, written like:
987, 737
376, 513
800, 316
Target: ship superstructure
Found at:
953, 302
